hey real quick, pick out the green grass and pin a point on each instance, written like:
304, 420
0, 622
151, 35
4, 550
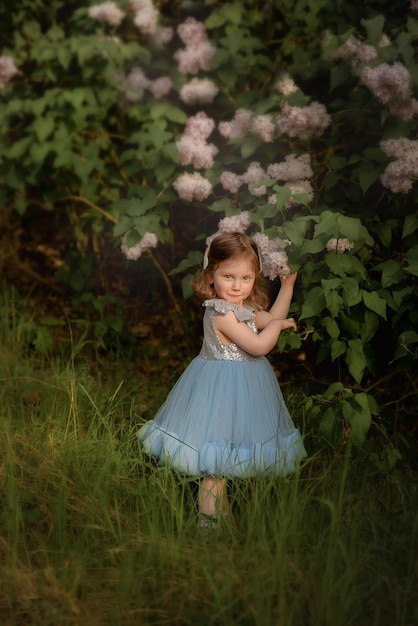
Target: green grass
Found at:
92, 532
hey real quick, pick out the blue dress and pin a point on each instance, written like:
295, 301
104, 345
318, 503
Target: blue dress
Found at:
225, 416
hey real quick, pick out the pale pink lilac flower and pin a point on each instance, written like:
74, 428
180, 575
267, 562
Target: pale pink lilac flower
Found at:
399, 175
163, 35
230, 181
262, 126
296, 187
414, 5
8, 69
199, 91
192, 32
238, 126
235, 223
107, 12
199, 126
160, 87
292, 168
285, 84
192, 146
273, 257
199, 52
392, 85
232, 224
348, 49
192, 186
384, 42
149, 240
339, 245
146, 16
405, 110
366, 53
136, 82
196, 152
388, 82
254, 175
303, 122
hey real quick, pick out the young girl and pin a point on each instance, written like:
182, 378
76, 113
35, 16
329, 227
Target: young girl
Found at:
225, 416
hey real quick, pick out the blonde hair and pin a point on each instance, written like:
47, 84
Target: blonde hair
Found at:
228, 246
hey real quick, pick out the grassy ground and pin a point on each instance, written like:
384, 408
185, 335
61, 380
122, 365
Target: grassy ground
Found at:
92, 532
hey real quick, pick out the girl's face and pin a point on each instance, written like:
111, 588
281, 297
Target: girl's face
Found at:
233, 279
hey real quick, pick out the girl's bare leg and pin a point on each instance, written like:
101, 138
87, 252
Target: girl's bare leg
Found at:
213, 497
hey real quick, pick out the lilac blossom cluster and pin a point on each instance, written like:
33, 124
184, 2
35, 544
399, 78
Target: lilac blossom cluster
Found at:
357, 50
245, 122
149, 240
252, 178
273, 257
285, 84
136, 83
198, 91
192, 147
400, 174
146, 16
339, 245
107, 12
392, 85
192, 186
198, 52
294, 171
8, 69
303, 122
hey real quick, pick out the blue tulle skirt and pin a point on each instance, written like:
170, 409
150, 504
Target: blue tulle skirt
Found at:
225, 418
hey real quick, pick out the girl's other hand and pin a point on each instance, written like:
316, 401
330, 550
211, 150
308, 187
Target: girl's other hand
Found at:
289, 323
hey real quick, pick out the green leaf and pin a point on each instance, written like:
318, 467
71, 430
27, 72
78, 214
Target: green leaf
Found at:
407, 344
392, 272
351, 292
314, 303
249, 146
295, 231
369, 327
312, 246
330, 425
19, 148
343, 264
375, 303
410, 225
193, 259
367, 176
356, 359
327, 224
374, 28
333, 389
338, 348
43, 127
359, 419
334, 302
283, 194
332, 327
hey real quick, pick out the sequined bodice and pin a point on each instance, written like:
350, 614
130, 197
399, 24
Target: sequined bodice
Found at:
212, 347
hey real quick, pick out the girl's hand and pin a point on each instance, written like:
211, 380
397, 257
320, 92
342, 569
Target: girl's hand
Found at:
288, 281
289, 323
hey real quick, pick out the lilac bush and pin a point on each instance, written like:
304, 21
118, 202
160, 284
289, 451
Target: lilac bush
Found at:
305, 124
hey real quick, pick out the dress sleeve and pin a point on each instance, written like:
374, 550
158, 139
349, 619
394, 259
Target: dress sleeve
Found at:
242, 313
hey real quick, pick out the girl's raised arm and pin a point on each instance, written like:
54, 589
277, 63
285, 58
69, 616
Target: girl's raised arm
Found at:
239, 333
280, 308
